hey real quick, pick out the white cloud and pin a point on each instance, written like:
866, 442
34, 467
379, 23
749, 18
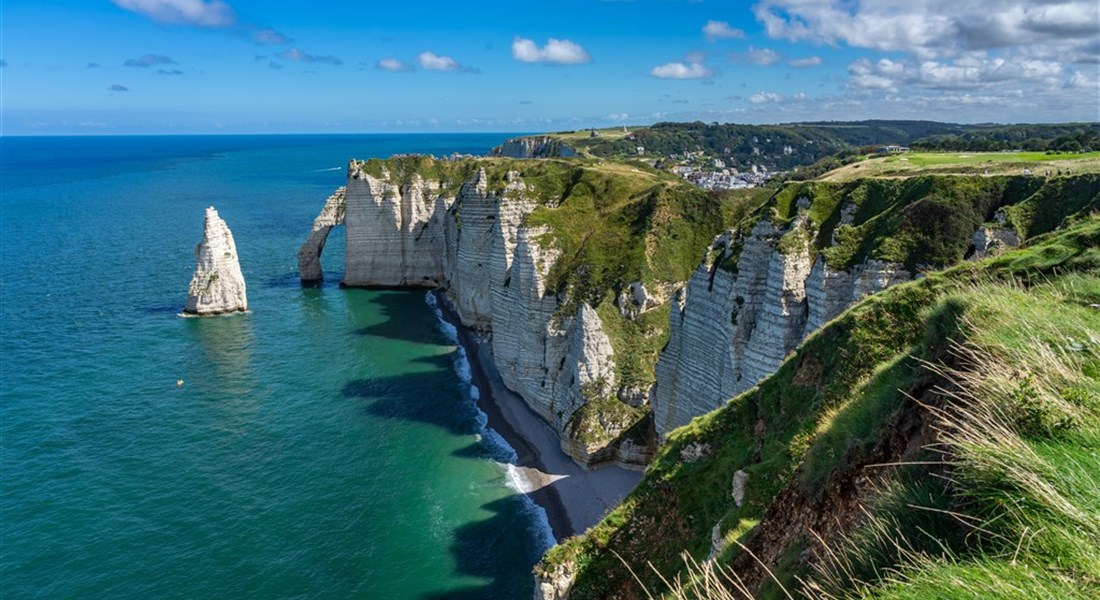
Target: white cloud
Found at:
764, 97
721, 30
557, 52
149, 60
932, 27
199, 13
1081, 81
393, 64
299, 56
761, 56
680, 70
434, 62
987, 48
964, 73
267, 36
207, 14
802, 63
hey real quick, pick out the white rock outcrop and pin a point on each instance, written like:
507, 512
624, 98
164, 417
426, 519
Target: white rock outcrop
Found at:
493, 268
993, 238
309, 255
540, 146
731, 328
217, 286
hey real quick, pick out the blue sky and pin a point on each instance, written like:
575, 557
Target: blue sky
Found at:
245, 66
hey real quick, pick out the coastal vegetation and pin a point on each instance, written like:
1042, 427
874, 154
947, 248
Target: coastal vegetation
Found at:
938, 439
912, 164
787, 146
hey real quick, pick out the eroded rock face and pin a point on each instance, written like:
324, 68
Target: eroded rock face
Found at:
493, 268
309, 255
533, 147
635, 299
730, 329
217, 286
994, 238
394, 233
557, 585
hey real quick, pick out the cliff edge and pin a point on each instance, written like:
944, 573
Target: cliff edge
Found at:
565, 264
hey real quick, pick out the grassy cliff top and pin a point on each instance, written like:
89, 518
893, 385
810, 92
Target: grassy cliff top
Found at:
923, 222
939, 439
912, 164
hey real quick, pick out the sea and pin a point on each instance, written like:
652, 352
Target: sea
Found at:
326, 444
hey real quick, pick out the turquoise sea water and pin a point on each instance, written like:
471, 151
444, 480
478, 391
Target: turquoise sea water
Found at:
322, 446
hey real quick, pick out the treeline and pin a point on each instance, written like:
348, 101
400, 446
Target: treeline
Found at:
786, 146
1066, 137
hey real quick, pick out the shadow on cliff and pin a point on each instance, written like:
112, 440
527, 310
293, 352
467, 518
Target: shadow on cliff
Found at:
490, 549
399, 323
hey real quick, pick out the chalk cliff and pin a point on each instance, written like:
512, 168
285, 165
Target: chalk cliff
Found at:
813, 251
473, 243
217, 286
540, 146
734, 323
394, 230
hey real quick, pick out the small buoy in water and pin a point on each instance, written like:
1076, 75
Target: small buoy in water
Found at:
179, 383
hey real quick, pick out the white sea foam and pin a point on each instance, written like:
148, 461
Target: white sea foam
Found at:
327, 170
501, 452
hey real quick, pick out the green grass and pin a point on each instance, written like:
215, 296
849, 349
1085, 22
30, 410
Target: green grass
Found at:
1021, 434
922, 159
912, 164
921, 222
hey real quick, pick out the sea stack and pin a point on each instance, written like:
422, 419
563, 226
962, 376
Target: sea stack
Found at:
218, 285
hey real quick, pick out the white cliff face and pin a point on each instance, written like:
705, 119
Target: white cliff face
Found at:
309, 255
549, 360
217, 286
533, 147
480, 238
493, 269
730, 330
394, 233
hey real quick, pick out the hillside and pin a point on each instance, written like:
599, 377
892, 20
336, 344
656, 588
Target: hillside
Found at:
913, 164
938, 439
785, 146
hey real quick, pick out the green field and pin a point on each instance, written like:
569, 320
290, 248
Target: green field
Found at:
966, 163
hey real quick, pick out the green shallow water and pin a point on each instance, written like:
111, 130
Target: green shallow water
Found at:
321, 446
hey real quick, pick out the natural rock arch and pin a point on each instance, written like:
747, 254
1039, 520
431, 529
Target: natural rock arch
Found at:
309, 255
